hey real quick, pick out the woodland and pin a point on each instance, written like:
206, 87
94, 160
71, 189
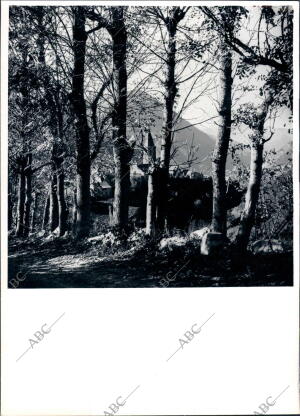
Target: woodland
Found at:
150, 146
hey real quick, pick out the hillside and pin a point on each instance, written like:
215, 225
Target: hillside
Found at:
192, 148
194, 145
189, 144
203, 146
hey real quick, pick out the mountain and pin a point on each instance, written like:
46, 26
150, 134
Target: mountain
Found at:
202, 146
192, 148
191, 143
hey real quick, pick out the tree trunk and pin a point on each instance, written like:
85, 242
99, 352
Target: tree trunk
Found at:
82, 128
10, 207
62, 208
28, 196
34, 212
46, 212
151, 202
219, 217
21, 199
58, 213
122, 189
252, 195
53, 206
74, 213
122, 150
167, 129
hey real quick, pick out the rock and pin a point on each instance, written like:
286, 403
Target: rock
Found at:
96, 238
199, 234
267, 247
108, 239
172, 242
212, 242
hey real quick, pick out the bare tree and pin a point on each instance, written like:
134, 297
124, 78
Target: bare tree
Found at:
53, 203
153, 177
56, 100
21, 197
226, 22
34, 212
82, 128
171, 20
123, 150
219, 218
255, 118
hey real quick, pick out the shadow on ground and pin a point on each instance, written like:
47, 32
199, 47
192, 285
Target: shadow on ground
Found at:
64, 266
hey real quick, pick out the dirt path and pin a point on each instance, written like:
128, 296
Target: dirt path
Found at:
57, 269
69, 264
73, 271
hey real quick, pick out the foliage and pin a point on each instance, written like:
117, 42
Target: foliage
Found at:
40, 82
275, 209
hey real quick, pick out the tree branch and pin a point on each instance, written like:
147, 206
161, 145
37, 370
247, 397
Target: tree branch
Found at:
39, 167
102, 22
254, 58
241, 48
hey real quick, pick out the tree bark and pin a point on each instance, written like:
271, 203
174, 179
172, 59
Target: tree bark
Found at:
151, 202
60, 189
53, 96
252, 195
82, 128
34, 212
46, 212
219, 217
53, 206
21, 198
74, 214
28, 196
253, 190
122, 149
28, 201
167, 129
10, 207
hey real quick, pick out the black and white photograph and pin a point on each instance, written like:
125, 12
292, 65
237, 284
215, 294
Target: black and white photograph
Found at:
149, 207
150, 146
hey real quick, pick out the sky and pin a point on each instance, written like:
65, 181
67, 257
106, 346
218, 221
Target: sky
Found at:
206, 106
202, 89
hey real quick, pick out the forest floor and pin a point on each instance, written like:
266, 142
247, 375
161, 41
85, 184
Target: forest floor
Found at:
67, 264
